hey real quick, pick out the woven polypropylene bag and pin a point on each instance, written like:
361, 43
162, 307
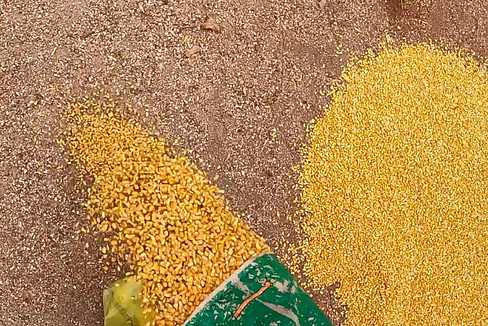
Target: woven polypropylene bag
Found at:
122, 304
261, 292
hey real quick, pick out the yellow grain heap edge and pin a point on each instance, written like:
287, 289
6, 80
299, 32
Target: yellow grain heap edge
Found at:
159, 212
395, 189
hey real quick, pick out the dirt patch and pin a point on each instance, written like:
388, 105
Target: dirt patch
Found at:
240, 105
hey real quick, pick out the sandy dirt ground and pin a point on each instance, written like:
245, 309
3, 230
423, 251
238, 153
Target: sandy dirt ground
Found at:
241, 104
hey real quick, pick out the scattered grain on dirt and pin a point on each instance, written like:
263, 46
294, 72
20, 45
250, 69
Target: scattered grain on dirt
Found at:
395, 189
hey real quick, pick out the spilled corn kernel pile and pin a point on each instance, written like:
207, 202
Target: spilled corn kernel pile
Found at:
158, 212
395, 189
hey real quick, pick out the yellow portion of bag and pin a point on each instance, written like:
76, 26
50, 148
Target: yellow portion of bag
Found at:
123, 306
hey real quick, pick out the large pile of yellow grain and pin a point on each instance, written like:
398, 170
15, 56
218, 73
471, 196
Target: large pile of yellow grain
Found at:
159, 212
395, 189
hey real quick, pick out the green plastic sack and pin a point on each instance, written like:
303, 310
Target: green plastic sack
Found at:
122, 304
261, 293
272, 295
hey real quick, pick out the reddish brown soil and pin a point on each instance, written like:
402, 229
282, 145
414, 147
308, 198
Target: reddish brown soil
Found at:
240, 105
